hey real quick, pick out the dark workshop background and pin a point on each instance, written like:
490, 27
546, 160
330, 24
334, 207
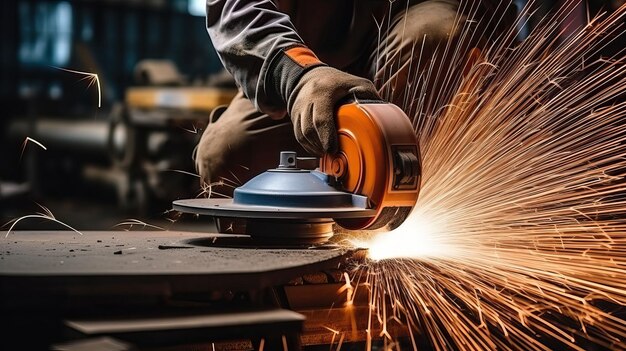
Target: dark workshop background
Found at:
80, 177
103, 165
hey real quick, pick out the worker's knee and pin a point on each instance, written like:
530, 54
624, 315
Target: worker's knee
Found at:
420, 31
223, 138
415, 44
425, 25
240, 144
432, 22
214, 149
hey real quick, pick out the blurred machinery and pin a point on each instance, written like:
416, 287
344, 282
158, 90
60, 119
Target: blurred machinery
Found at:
141, 149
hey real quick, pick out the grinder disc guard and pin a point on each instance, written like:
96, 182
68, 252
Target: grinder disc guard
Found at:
283, 204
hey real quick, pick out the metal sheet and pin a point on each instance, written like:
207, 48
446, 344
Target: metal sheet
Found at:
226, 208
175, 261
197, 328
114, 326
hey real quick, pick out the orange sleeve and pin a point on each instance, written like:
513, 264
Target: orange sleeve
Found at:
303, 56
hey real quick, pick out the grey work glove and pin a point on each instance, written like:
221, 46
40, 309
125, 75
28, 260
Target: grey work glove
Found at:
313, 103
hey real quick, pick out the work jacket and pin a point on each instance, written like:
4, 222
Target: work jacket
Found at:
248, 34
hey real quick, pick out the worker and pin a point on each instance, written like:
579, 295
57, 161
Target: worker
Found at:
303, 58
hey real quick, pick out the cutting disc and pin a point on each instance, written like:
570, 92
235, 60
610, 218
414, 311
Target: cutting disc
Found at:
285, 205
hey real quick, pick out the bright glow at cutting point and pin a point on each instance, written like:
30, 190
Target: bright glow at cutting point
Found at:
418, 237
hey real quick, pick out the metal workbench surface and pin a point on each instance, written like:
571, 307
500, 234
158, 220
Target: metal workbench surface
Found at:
177, 261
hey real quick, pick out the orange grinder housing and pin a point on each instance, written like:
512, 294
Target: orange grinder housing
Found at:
378, 157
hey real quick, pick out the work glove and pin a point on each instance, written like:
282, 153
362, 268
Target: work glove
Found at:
314, 100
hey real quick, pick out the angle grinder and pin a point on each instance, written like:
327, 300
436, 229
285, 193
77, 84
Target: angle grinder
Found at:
371, 182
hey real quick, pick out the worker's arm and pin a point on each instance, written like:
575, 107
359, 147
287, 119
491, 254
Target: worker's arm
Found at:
250, 37
259, 46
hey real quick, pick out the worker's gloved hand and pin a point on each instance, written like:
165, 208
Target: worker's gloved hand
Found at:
314, 100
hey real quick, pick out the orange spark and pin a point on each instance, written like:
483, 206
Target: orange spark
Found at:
518, 238
91, 77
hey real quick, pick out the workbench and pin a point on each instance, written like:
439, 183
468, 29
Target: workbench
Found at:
147, 289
